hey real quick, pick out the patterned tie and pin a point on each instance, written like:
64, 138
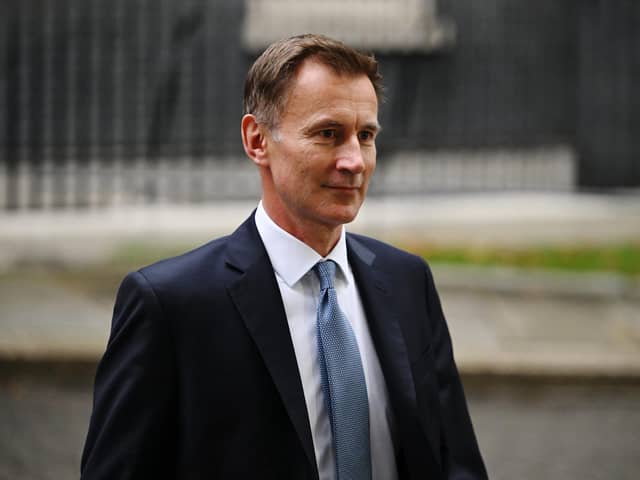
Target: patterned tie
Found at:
343, 382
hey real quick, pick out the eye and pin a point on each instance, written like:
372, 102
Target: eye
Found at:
365, 136
328, 133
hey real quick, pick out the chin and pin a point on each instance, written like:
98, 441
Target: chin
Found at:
344, 215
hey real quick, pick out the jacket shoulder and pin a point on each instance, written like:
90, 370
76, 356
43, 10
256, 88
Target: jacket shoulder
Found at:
383, 251
187, 267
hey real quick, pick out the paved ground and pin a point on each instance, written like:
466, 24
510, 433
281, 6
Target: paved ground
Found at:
561, 431
526, 431
535, 327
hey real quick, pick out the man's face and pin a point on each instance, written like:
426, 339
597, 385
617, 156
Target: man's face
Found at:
323, 152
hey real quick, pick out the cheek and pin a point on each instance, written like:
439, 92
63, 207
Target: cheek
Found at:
304, 168
291, 175
370, 160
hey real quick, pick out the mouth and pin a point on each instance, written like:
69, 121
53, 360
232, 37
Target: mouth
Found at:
346, 188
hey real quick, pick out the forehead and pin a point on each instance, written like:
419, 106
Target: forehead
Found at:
318, 88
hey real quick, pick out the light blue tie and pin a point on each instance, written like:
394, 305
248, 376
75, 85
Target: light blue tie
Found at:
343, 382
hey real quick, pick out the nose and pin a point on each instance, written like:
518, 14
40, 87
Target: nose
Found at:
350, 157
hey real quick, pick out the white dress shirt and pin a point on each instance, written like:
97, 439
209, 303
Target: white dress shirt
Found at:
292, 262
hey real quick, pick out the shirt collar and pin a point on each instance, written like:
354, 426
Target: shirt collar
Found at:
291, 258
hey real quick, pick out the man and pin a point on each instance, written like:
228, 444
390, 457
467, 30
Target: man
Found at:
289, 349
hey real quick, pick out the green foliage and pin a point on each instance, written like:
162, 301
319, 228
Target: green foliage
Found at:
624, 259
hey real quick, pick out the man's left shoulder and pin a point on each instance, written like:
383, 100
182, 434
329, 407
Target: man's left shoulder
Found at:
382, 252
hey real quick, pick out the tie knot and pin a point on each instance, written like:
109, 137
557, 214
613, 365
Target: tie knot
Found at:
326, 272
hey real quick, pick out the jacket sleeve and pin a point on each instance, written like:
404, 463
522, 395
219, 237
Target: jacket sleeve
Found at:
460, 455
133, 424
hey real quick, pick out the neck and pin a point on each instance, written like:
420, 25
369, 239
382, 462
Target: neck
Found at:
322, 241
321, 238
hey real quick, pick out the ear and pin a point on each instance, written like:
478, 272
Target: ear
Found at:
254, 140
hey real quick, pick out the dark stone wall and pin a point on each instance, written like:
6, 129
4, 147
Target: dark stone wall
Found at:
120, 78
145, 78
608, 120
509, 80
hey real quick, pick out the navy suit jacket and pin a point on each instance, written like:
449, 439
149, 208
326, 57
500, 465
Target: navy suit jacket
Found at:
199, 378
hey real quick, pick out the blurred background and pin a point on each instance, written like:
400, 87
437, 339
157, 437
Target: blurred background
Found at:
509, 159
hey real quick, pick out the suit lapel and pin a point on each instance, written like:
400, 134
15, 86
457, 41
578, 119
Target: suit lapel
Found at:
377, 299
257, 298
376, 292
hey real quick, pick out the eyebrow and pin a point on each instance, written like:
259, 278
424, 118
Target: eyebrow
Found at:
373, 126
